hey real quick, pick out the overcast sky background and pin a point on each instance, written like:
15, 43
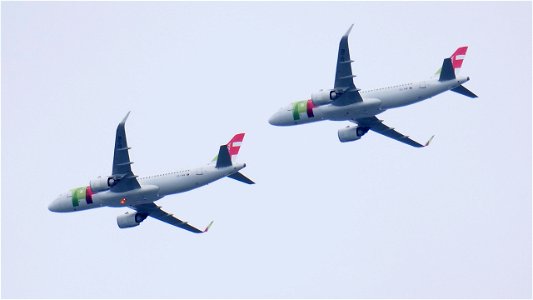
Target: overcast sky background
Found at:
373, 218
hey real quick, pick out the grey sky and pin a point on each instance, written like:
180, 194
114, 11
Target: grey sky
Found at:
369, 219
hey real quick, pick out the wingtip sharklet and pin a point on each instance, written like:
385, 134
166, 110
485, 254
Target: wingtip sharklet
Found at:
125, 118
208, 226
348, 32
429, 141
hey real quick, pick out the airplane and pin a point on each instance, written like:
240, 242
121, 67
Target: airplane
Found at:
124, 189
345, 102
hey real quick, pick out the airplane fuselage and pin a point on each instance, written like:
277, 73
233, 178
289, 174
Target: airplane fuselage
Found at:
152, 189
374, 102
124, 189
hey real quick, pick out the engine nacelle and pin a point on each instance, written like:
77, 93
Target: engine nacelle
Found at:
100, 184
128, 220
351, 133
324, 97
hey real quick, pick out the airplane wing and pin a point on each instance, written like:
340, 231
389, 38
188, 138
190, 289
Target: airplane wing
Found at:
156, 212
377, 125
343, 75
123, 177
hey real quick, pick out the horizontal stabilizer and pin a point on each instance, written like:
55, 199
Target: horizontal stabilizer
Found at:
223, 158
464, 91
239, 177
447, 72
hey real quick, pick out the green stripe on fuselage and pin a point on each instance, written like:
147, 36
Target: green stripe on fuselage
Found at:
295, 113
298, 108
77, 195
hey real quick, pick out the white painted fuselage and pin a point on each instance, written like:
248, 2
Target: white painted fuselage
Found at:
374, 102
152, 188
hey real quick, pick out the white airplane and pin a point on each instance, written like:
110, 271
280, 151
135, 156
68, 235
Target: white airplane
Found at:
345, 102
124, 189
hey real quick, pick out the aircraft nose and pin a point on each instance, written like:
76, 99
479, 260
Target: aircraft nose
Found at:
276, 119
60, 204
272, 120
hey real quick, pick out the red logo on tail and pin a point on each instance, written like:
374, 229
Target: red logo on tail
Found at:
234, 145
458, 56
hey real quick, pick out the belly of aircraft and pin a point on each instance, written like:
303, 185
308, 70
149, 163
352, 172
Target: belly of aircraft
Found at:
147, 193
367, 108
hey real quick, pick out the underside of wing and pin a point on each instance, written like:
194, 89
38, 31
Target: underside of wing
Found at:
343, 75
123, 177
377, 125
156, 212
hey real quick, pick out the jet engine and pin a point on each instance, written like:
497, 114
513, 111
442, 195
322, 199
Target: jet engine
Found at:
128, 220
102, 183
351, 133
324, 97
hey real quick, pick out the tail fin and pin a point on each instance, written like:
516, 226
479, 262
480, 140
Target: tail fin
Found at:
447, 72
234, 145
227, 152
458, 56
456, 59
223, 157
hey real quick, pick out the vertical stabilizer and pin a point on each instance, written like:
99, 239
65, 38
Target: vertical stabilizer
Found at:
456, 59
447, 72
234, 145
223, 158
458, 56
231, 148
